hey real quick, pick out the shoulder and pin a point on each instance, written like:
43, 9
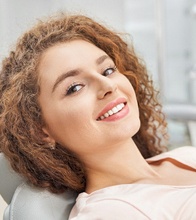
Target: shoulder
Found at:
93, 207
185, 155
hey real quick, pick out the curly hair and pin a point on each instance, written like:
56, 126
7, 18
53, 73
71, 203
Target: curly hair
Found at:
21, 119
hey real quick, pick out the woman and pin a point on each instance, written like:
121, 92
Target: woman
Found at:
79, 112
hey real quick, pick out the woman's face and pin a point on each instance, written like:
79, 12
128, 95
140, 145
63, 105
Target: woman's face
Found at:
87, 104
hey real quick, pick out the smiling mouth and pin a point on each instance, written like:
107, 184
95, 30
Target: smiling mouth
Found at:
112, 111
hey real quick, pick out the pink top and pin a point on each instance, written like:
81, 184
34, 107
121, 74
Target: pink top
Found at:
142, 201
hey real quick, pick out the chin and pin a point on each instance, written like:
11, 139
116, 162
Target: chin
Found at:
128, 131
133, 128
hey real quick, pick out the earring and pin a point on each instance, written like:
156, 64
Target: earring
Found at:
52, 146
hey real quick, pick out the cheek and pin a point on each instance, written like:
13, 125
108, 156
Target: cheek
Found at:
128, 89
69, 124
126, 86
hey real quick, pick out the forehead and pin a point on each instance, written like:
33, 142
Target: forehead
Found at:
71, 50
64, 57
69, 54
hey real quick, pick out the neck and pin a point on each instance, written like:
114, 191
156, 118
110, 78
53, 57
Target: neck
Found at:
120, 164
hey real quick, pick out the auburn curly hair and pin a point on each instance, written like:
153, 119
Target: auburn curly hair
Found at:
21, 120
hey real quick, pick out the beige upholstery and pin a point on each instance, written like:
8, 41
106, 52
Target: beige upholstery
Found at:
29, 203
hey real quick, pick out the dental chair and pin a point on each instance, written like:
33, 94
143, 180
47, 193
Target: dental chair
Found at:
26, 202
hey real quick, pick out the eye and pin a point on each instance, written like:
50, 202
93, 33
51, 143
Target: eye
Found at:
73, 88
109, 71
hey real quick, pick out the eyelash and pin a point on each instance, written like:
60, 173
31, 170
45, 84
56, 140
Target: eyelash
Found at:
70, 89
113, 68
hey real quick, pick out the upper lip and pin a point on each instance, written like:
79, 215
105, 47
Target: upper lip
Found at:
111, 105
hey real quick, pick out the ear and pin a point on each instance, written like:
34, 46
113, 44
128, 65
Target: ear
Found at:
47, 136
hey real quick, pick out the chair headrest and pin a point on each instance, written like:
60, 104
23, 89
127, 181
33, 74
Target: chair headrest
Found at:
9, 180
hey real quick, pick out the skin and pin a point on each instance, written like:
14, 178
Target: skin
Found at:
71, 106
71, 119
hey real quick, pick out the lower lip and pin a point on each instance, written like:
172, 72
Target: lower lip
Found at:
121, 114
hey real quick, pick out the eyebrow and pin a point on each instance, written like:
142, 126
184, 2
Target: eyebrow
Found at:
101, 59
63, 76
76, 72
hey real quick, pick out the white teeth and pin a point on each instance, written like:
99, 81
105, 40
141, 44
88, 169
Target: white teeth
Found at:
119, 107
122, 105
106, 115
110, 112
114, 110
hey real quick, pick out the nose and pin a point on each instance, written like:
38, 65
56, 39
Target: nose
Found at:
106, 86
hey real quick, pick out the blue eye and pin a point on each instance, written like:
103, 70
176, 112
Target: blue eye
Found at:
74, 88
109, 71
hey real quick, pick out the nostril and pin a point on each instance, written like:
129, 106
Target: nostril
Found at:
106, 87
103, 93
107, 93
